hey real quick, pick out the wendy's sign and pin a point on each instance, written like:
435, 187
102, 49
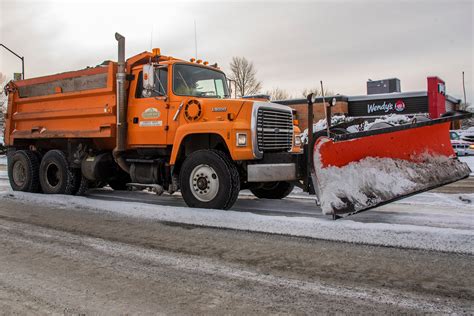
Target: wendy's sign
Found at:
400, 105
386, 107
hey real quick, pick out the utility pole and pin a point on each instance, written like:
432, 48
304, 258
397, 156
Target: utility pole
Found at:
22, 60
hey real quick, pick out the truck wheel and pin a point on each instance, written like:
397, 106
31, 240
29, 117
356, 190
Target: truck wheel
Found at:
23, 169
55, 175
209, 179
273, 190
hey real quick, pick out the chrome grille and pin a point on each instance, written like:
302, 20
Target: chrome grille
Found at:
274, 130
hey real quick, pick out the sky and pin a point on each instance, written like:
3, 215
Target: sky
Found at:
293, 44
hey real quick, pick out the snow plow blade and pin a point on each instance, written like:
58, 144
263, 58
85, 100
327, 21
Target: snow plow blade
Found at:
359, 171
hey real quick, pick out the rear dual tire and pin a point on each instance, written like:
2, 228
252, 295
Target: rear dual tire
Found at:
51, 174
55, 175
23, 171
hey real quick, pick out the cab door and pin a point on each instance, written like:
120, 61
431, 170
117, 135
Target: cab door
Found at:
148, 111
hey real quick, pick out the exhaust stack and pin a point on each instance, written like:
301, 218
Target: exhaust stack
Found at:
121, 105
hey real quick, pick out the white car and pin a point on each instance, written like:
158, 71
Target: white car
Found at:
460, 146
468, 135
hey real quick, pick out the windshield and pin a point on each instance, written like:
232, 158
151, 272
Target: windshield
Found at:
199, 81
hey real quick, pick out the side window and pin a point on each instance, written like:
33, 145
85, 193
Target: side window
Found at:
163, 75
160, 88
139, 90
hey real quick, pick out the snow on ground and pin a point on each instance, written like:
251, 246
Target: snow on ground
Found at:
470, 162
443, 222
454, 201
396, 235
3, 160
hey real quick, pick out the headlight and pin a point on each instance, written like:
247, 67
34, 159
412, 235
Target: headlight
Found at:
471, 146
297, 140
241, 139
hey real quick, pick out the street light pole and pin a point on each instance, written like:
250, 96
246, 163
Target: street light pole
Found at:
22, 60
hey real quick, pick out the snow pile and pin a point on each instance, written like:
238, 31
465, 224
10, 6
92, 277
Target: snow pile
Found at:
3, 160
370, 181
336, 119
322, 125
392, 119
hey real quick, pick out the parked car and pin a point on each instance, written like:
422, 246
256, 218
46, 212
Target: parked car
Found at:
460, 146
2, 146
468, 135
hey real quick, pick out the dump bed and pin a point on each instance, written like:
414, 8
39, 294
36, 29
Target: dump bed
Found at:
77, 104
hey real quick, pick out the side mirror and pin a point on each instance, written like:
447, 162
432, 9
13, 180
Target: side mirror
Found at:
148, 77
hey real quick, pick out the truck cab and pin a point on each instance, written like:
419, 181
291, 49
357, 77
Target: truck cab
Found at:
173, 100
177, 108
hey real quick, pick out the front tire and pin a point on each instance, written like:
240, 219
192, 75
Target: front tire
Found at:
55, 175
273, 190
23, 171
209, 179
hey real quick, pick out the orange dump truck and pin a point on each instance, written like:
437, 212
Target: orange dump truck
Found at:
162, 123
150, 121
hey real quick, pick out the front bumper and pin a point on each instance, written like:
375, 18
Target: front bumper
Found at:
277, 167
271, 172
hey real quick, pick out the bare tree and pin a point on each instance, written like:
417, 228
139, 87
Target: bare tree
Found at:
278, 94
3, 82
3, 109
243, 73
316, 91
3, 98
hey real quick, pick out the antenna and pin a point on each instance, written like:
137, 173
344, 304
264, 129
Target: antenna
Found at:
327, 111
151, 38
195, 40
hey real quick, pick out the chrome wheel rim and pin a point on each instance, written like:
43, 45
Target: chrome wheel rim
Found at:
204, 183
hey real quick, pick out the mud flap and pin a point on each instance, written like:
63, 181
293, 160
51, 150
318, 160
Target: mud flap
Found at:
363, 170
